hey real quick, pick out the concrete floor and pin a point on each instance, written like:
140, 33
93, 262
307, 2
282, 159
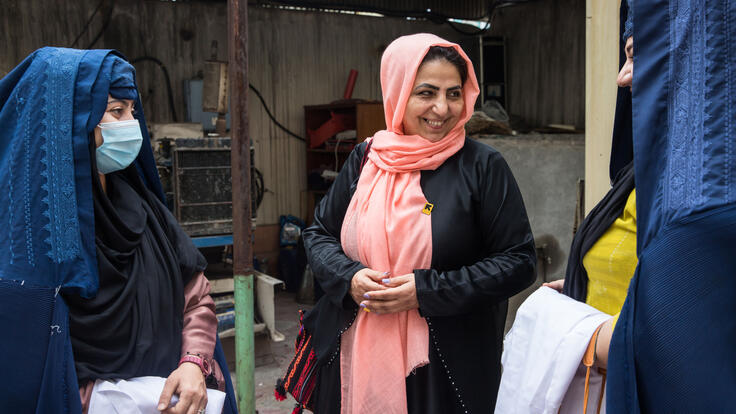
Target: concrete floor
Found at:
272, 358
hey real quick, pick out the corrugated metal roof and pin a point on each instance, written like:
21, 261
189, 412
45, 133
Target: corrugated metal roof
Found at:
433, 10
429, 9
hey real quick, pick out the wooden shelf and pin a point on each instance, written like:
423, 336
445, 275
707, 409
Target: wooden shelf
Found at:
223, 285
369, 118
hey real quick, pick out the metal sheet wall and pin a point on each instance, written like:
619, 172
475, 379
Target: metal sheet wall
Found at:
300, 58
297, 59
545, 43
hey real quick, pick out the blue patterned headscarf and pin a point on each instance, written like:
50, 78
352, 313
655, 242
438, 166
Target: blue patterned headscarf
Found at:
629, 25
49, 105
673, 346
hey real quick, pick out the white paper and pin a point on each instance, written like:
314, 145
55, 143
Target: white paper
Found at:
140, 396
542, 356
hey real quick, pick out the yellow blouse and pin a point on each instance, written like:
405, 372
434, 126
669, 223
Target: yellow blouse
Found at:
611, 262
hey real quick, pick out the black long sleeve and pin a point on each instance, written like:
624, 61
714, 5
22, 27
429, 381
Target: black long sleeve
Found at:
488, 230
482, 253
332, 268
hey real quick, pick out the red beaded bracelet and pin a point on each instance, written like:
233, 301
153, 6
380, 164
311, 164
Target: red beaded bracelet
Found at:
198, 360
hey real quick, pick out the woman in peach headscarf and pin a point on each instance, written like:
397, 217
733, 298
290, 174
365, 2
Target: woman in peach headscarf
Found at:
418, 245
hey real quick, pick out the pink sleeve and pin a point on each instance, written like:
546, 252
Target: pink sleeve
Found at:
200, 323
85, 394
199, 333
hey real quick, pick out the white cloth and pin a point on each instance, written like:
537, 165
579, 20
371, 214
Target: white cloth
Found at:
139, 396
542, 356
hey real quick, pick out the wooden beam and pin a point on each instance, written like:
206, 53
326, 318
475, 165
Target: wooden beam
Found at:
601, 68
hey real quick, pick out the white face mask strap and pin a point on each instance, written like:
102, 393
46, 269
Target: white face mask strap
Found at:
118, 124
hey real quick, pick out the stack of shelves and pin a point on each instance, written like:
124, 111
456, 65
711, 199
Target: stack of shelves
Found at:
368, 118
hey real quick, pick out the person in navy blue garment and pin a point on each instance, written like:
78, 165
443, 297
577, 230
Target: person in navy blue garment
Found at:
673, 347
95, 277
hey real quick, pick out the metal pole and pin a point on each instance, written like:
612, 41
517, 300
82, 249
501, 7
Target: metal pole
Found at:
240, 162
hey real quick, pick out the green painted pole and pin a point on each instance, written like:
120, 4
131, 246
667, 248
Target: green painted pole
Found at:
244, 352
240, 170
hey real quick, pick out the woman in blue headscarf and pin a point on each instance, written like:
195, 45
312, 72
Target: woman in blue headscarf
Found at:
673, 347
98, 281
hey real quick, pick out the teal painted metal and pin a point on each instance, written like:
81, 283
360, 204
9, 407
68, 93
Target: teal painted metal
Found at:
212, 241
244, 348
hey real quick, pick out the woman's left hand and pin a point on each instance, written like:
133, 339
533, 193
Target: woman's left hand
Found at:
400, 296
187, 382
555, 284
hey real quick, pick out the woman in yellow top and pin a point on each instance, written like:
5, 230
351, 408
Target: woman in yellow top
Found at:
611, 262
603, 254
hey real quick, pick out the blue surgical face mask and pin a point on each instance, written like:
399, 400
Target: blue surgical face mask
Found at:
121, 144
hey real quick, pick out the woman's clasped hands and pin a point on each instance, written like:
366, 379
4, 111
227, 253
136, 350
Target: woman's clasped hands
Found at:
376, 291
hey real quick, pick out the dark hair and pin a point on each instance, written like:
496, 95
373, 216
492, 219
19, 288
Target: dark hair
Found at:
449, 54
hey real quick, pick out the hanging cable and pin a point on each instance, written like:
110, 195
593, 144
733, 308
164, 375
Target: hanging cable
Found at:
270, 115
166, 77
105, 23
171, 96
86, 25
258, 188
337, 161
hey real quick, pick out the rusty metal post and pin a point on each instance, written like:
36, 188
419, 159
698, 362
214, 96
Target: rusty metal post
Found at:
240, 161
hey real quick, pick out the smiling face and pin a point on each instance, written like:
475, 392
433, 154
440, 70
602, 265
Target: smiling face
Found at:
626, 75
117, 110
436, 102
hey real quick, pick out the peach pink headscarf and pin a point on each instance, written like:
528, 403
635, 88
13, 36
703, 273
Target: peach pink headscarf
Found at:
384, 228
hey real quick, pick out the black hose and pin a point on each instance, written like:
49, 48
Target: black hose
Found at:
105, 23
258, 189
168, 81
171, 95
86, 25
270, 115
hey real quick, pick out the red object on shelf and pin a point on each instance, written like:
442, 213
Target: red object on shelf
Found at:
350, 85
338, 122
